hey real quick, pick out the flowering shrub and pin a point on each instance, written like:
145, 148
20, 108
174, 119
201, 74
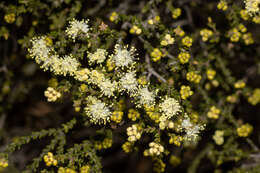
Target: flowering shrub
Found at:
152, 80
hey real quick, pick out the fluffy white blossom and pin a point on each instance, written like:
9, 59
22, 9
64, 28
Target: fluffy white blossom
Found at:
39, 50
123, 57
77, 27
128, 82
65, 65
252, 6
99, 56
107, 87
146, 97
169, 108
97, 111
192, 130
49, 60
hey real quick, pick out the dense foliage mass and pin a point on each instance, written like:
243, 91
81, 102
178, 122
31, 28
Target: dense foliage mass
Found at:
130, 86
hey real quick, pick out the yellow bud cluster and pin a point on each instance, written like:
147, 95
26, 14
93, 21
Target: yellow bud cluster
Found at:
185, 92
174, 161
248, 38
176, 140
117, 116
48, 41
222, 5
256, 19
184, 57
242, 28
255, 97
231, 98
218, 137
154, 150
127, 147
234, 35
244, 14
164, 124
49, 159
187, 41
113, 17
179, 32
85, 169
214, 112
156, 54
154, 20
244, 130
176, 13
66, 170
193, 77
9, 18
133, 114
142, 80
150, 111
206, 34
51, 94
3, 163
211, 74
167, 40
240, 84
76, 105
110, 64
135, 30
134, 133
158, 165
106, 143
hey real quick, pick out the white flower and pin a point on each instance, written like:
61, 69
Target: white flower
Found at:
146, 97
51, 94
39, 50
169, 108
123, 57
82, 75
107, 87
66, 65
97, 111
99, 56
49, 60
192, 130
252, 6
133, 133
77, 27
128, 82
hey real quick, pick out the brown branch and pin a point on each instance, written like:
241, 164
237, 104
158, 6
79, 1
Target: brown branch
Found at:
152, 71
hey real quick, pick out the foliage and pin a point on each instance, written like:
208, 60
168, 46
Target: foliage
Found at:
157, 80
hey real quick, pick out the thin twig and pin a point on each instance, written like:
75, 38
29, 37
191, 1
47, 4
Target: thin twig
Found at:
152, 71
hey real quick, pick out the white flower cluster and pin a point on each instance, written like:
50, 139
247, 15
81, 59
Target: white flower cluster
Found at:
77, 27
99, 56
146, 97
97, 78
49, 60
39, 50
52, 94
128, 82
97, 111
169, 108
133, 133
154, 150
252, 6
123, 57
192, 131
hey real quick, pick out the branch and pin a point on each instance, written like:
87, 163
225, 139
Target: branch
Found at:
152, 71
